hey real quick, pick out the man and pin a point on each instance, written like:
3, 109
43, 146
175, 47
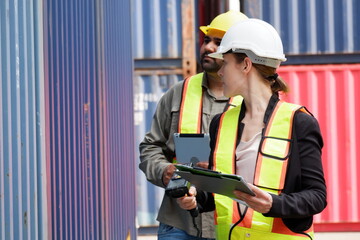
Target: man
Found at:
175, 113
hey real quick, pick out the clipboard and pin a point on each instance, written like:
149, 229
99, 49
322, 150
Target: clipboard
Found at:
192, 148
212, 181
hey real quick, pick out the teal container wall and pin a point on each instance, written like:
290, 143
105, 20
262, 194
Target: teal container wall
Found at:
157, 34
88, 89
157, 28
22, 155
148, 90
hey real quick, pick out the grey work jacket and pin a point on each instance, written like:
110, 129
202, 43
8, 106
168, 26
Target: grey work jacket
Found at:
157, 152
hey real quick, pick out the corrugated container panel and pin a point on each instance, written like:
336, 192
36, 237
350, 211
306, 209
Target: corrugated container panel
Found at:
157, 28
117, 121
148, 90
22, 159
311, 27
89, 110
73, 159
330, 92
89, 120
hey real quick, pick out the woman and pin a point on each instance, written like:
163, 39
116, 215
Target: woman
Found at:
274, 145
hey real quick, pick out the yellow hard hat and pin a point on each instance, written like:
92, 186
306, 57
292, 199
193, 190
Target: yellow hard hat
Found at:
223, 22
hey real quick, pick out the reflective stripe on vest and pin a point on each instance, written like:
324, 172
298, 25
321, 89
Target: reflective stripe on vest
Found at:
235, 101
190, 116
191, 105
224, 161
270, 173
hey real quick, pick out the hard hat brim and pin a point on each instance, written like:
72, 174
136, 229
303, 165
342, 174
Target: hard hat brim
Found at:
204, 29
212, 31
217, 55
275, 63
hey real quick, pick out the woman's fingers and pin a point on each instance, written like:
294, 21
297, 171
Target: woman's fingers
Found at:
261, 202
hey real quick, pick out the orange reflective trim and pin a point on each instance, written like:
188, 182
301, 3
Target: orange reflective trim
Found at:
215, 217
185, 87
272, 117
217, 142
234, 102
224, 151
224, 161
260, 157
199, 118
236, 215
258, 169
283, 175
280, 227
247, 221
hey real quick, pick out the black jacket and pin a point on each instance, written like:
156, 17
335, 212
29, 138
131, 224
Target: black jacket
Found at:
304, 193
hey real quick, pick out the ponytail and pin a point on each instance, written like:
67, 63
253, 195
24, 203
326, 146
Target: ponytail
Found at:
277, 84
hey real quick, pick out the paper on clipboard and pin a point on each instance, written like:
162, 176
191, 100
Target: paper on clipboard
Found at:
214, 182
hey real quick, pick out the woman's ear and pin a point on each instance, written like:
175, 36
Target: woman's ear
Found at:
247, 64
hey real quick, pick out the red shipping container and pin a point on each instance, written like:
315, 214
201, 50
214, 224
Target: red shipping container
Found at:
330, 92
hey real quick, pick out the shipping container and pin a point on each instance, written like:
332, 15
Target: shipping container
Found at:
313, 32
160, 62
148, 89
329, 92
88, 86
23, 208
66, 120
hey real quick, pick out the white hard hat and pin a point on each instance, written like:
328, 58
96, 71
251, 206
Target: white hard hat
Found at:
257, 39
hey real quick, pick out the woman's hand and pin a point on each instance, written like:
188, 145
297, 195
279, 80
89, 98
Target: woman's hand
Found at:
261, 202
188, 202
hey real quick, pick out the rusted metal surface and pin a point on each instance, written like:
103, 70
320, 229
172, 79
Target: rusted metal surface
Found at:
188, 38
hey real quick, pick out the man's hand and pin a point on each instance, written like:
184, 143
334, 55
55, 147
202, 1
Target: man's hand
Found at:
168, 172
203, 165
188, 202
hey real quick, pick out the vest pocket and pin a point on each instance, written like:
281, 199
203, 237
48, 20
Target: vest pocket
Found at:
272, 163
277, 148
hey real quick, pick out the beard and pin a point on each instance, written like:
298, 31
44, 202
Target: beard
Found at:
209, 65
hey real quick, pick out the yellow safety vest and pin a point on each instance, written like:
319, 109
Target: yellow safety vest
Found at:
190, 117
270, 172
